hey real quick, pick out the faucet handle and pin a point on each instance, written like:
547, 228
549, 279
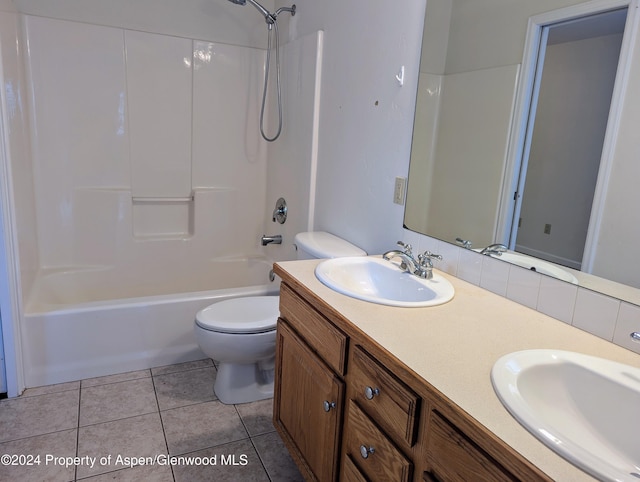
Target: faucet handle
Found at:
406, 247
465, 243
426, 258
280, 211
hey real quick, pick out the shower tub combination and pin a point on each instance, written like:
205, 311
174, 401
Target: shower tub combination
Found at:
93, 322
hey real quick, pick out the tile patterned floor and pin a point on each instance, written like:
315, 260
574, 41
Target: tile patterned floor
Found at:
93, 429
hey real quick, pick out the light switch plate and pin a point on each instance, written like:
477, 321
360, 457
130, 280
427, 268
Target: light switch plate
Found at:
399, 190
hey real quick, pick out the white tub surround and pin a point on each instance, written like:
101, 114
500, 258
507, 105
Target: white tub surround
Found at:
146, 138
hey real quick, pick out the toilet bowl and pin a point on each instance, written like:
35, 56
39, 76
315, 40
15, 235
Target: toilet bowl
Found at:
240, 333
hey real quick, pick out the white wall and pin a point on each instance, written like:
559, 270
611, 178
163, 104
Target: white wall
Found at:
366, 118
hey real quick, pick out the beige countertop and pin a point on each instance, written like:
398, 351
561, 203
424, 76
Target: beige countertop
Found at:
454, 346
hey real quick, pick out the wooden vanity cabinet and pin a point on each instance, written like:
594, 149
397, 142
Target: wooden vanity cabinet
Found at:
309, 391
347, 410
307, 405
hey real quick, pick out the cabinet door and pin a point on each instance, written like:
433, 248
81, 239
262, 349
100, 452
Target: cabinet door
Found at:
453, 456
308, 401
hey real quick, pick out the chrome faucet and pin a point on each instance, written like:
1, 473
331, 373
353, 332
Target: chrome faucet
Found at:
495, 249
422, 267
277, 239
408, 263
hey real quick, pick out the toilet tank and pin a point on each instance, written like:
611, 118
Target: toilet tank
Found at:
320, 244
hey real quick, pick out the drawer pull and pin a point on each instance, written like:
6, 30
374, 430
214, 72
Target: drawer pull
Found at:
365, 452
635, 336
328, 405
369, 392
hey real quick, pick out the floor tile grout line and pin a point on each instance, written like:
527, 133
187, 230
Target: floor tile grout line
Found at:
24, 397
260, 459
183, 371
119, 419
164, 433
36, 435
251, 441
213, 365
210, 447
29, 397
75, 470
90, 476
200, 402
116, 382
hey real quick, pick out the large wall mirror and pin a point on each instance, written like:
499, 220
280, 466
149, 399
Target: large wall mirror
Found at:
526, 135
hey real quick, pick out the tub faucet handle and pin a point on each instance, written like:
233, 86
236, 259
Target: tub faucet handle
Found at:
280, 212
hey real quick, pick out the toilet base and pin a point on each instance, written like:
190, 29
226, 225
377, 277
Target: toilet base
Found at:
243, 383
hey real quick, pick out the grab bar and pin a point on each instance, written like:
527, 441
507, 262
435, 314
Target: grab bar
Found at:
162, 199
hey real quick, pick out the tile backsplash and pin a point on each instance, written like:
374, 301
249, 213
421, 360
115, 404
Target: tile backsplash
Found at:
604, 316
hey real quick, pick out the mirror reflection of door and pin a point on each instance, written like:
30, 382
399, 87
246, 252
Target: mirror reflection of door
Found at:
576, 72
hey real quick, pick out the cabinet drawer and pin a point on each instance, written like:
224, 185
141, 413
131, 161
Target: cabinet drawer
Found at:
350, 472
446, 444
375, 455
386, 399
319, 333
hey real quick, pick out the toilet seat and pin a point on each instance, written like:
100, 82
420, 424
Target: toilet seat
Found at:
252, 314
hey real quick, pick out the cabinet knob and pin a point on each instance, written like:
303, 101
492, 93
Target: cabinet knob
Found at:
635, 336
366, 451
328, 405
369, 392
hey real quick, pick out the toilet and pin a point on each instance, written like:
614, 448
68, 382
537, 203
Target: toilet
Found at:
240, 333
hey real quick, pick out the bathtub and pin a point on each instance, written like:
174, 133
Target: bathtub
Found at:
95, 321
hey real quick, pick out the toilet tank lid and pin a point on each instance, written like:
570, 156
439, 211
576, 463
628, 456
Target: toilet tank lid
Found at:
325, 245
250, 314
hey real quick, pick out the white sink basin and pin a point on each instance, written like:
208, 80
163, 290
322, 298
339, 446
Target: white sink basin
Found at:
537, 265
382, 282
587, 409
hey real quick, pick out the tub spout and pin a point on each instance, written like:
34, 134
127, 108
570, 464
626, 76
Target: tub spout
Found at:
277, 239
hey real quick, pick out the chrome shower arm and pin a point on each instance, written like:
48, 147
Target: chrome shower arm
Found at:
291, 10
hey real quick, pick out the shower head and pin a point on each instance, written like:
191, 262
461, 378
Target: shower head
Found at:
262, 10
